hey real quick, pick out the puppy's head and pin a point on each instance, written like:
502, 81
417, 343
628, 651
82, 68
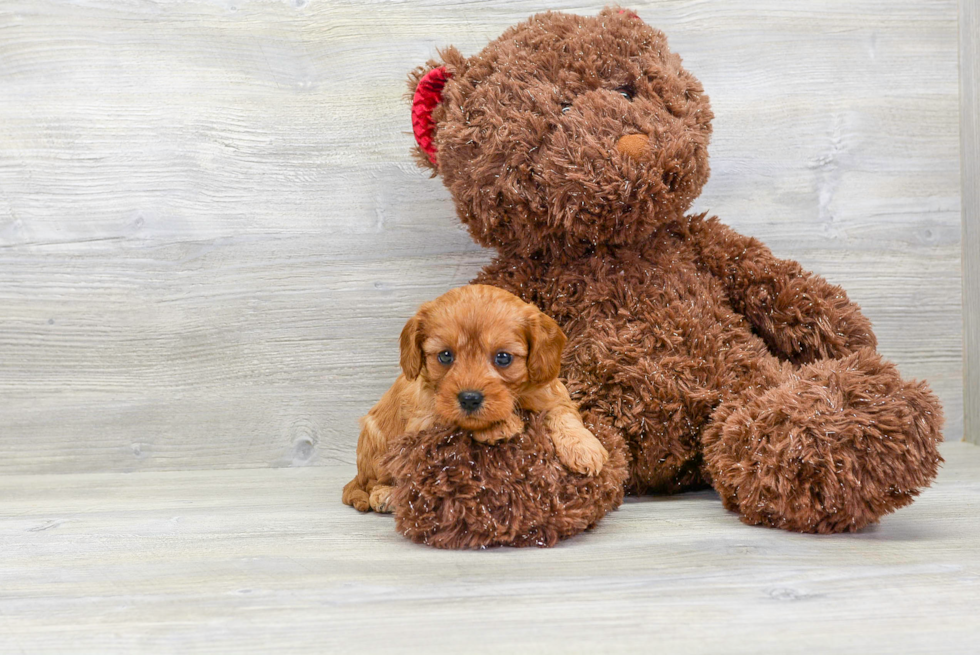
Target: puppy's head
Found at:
480, 349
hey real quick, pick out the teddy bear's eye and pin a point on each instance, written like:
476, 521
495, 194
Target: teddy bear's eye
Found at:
626, 91
503, 359
445, 357
565, 106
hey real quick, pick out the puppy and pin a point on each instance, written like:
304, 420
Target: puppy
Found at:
469, 359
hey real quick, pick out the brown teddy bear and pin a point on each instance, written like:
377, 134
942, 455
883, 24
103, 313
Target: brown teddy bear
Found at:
574, 146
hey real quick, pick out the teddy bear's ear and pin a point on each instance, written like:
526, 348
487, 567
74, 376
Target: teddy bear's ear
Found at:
427, 96
426, 84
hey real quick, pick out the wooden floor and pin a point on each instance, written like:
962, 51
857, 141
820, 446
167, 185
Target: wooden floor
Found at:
263, 560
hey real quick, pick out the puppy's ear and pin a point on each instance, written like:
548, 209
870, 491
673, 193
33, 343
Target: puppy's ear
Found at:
410, 344
426, 85
545, 341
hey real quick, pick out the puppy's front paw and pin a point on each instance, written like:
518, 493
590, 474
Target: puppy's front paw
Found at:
381, 499
506, 429
579, 450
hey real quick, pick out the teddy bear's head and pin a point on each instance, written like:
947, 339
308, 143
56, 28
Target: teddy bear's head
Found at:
565, 132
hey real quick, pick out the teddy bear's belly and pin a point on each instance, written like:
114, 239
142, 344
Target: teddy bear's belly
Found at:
656, 362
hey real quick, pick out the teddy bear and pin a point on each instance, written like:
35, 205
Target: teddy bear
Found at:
574, 146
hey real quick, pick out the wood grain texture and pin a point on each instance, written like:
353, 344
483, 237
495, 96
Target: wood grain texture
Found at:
970, 167
211, 231
250, 561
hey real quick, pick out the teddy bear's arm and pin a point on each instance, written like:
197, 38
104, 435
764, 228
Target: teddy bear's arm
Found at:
800, 315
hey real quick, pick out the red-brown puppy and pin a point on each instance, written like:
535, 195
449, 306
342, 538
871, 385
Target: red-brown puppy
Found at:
470, 358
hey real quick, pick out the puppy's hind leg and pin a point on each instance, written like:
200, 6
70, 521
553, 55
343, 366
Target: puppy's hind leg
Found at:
356, 496
369, 489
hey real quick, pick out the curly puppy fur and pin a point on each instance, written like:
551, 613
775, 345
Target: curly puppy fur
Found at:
575, 146
471, 359
455, 492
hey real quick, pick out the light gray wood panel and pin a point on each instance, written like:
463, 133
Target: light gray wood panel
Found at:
970, 158
251, 561
211, 231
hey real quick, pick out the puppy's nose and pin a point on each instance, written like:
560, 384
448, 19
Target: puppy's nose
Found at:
633, 145
470, 401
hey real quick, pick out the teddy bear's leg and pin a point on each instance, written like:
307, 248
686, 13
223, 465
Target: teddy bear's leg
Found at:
833, 447
663, 454
657, 410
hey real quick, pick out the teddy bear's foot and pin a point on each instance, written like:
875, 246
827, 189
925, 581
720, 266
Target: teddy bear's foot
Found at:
451, 491
833, 448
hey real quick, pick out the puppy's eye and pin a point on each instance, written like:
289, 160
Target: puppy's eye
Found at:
445, 357
626, 91
503, 359
565, 107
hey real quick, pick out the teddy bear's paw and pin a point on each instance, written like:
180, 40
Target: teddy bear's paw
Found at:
513, 493
380, 499
833, 448
356, 497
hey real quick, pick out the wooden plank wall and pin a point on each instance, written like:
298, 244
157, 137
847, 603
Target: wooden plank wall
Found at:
211, 231
970, 167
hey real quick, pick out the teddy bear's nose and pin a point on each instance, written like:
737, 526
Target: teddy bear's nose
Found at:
633, 145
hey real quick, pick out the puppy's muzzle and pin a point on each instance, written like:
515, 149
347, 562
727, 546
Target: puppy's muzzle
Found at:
470, 401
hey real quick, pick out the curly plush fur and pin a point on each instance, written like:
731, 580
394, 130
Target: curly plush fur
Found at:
575, 146
455, 492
